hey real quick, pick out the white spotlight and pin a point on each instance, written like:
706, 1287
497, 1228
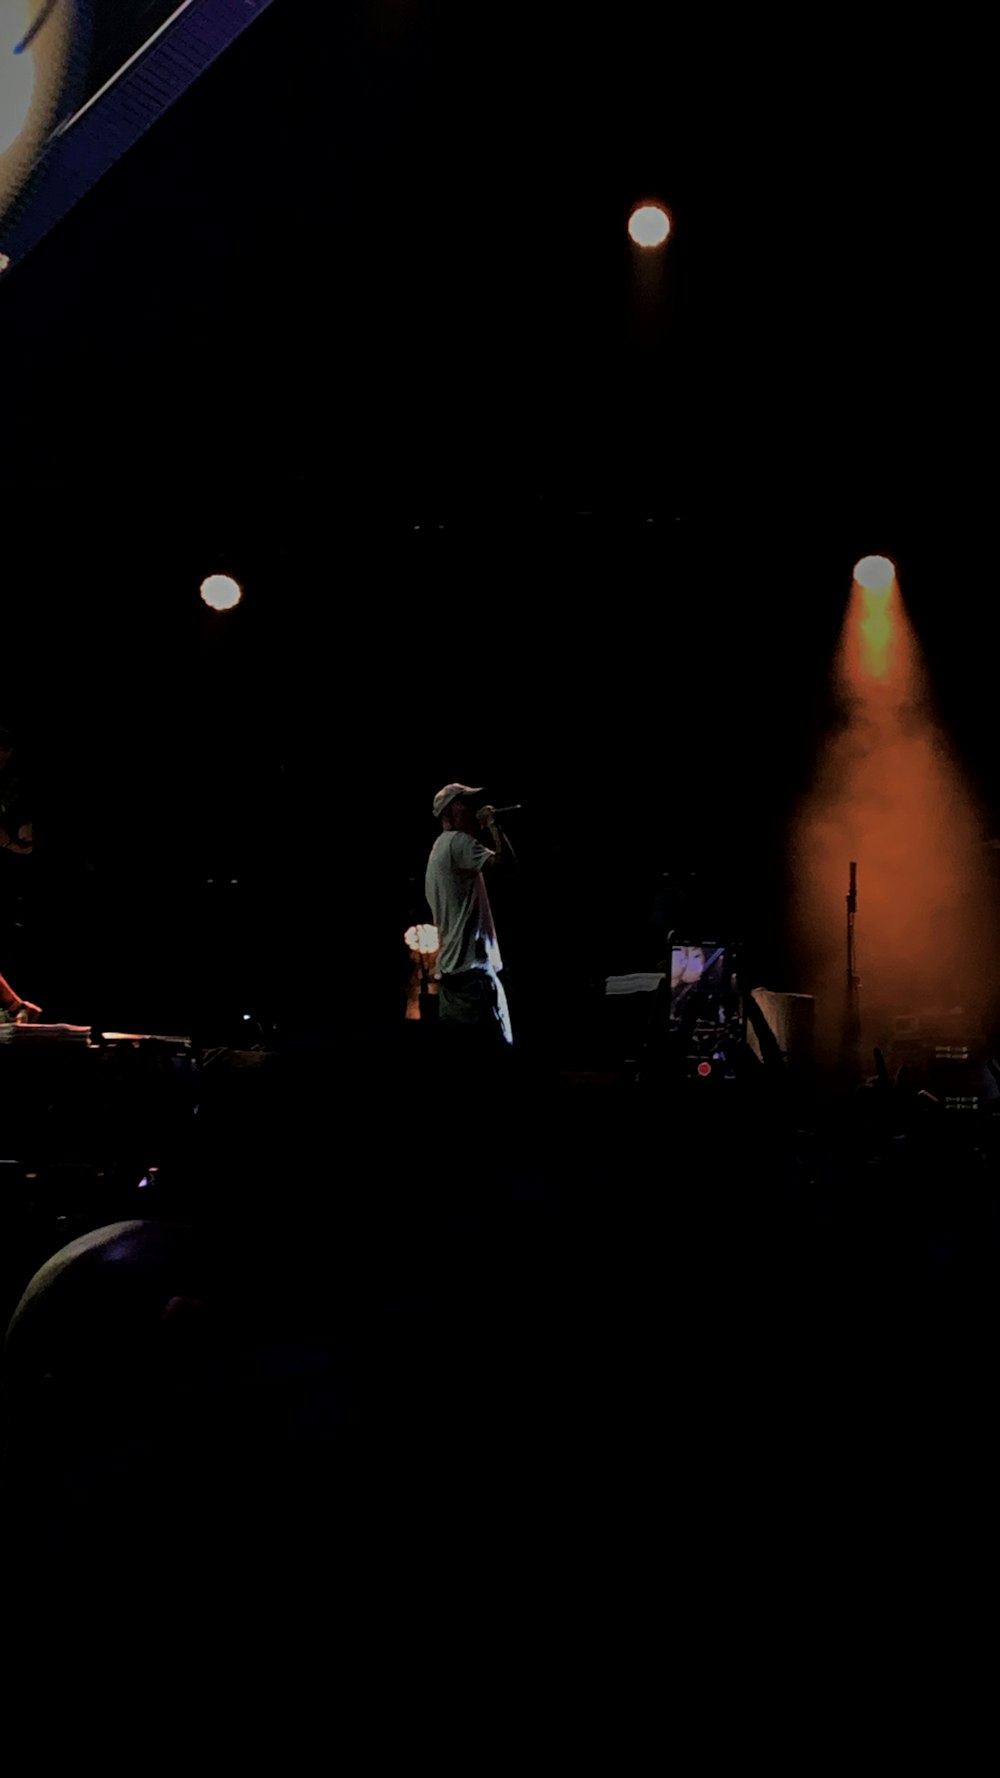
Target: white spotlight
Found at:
221, 591
649, 225
874, 573
422, 940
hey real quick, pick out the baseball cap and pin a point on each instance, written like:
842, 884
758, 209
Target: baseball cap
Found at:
448, 795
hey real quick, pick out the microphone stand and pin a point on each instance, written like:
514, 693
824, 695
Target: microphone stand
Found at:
852, 1010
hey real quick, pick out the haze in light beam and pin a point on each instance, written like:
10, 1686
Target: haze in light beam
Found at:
877, 644
889, 794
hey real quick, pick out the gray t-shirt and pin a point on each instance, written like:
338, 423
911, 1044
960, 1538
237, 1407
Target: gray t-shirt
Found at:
459, 904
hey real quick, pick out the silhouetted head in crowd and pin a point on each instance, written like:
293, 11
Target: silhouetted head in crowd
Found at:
106, 1327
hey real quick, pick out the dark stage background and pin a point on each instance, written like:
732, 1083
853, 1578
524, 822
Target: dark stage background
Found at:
359, 321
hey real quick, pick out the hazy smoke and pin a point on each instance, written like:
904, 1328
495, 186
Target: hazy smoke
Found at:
889, 794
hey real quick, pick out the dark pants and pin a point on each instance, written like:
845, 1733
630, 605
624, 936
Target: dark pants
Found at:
474, 997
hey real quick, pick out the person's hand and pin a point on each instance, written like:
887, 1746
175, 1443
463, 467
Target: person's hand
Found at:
486, 816
23, 843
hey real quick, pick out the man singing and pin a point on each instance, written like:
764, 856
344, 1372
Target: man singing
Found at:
468, 967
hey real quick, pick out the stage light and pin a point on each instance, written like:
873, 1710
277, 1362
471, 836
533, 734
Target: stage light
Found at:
875, 573
422, 940
649, 225
221, 591
17, 74
423, 943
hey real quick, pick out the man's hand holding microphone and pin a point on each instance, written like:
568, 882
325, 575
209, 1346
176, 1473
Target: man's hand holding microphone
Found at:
487, 817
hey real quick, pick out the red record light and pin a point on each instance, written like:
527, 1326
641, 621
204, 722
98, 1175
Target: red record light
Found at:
704, 1068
